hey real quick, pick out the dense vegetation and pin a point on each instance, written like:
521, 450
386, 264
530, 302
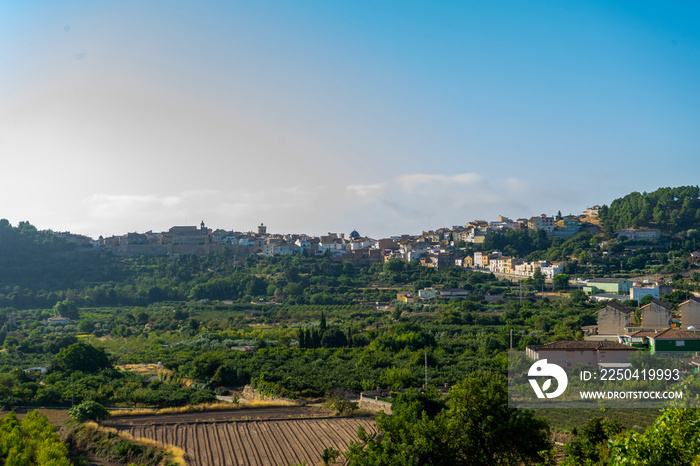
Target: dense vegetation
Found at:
306, 326
670, 209
31, 441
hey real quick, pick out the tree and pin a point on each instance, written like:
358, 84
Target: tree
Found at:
88, 411
538, 279
81, 357
31, 441
478, 428
334, 338
339, 400
591, 443
329, 456
672, 440
322, 326
393, 265
561, 280
66, 308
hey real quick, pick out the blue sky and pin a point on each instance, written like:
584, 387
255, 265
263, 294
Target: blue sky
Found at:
388, 117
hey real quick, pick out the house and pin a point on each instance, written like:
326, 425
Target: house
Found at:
550, 270
466, 262
569, 353
500, 264
482, 259
510, 264
638, 292
541, 223
639, 234
56, 320
614, 318
386, 243
477, 235
592, 211
567, 227
690, 313
670, 342
454, 293
608, 285
596, 298
427, 293
40, 369
657, 314
405, 296
438, 261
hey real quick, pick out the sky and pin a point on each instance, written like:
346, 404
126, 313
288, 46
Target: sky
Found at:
327, 116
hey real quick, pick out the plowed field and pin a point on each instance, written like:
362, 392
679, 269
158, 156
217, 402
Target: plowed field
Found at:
254, 442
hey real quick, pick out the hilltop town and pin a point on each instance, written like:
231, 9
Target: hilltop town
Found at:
444, 247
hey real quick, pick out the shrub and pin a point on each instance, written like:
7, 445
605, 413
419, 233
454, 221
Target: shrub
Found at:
88, 411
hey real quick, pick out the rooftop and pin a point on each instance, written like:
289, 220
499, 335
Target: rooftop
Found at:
618, 307
606, 280
658, 302
584, 345
666, 334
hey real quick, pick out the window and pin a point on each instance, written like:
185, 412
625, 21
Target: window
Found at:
680, 342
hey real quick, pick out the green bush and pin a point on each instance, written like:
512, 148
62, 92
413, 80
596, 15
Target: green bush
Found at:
88, 411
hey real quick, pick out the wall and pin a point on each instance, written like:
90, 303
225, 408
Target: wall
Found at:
612, 322
373, 404
690, 314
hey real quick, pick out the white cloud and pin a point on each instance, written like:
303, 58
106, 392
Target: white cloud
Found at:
410, 182
366, 191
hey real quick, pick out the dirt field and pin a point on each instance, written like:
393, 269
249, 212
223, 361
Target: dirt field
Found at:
57, 417
245, 414
270, 436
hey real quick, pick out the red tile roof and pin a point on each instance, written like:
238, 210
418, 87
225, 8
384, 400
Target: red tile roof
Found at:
585, 345
666, 334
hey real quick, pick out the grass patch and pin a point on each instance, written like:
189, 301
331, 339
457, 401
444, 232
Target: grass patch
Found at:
223, 406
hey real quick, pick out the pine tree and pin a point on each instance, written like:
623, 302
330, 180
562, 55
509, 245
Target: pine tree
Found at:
322, 326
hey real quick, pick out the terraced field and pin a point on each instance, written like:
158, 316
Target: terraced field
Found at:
256, 442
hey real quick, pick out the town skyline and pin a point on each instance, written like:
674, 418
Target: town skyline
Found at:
489, 219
